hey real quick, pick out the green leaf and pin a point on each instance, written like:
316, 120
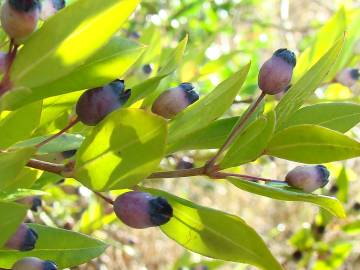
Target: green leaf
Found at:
210, 137
62, 143
285, 193
312, 144
337, 116
109, 63
19, 194
122, 150
207, 109
65, 42
11, 165
215, 234
19, 125
304, 87
24, 179
65, 248
141, 90
12, 215
352, 227
250, 144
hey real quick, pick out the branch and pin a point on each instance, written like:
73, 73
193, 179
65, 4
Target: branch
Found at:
179, 173
210, 165
46, 166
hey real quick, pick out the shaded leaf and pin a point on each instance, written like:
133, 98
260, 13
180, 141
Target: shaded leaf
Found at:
215, 234
250, 144
19, 125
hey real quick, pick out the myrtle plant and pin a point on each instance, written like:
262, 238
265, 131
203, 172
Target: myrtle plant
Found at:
116, 130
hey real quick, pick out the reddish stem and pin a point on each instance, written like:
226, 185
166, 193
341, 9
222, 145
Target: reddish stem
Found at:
248, 177
5, 83
72, 123
211, 164
106, 199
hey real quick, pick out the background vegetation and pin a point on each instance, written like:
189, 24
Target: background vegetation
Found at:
222, 37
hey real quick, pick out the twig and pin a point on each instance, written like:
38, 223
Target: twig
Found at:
210, 165
247, 177
179, 173
46, 166
106, 199
72, 123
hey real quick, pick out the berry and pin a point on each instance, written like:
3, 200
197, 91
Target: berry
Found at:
95, 104
19, 17
308, 178
348, 77
276, 73
69, 153
32, 263
24, 239
142, 210
50, 7
356, 206
147, 69
297, 255
174, 100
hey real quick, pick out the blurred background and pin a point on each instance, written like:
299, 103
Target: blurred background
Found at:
223, 36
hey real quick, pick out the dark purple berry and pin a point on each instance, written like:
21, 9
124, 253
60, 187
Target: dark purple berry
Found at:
276, 73
36, 204
142, 210
334, 189
348, 77
308, 178
50, 7
297, 255
184, 164
32, 263
24, 239
174, 100
95, 104
69, 153
356, 206
19, 18
147, 69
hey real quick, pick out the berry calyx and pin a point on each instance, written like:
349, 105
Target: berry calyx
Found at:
276, 73
50, 7
174, 100
142, 210
24, 239
348, 77
308, 178
95, 104
19, 18
32, 263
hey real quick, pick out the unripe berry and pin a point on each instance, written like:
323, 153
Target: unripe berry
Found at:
32, 263
50, 7
348, 77
308, 178
24, 239
142, 210
95, 104
174, 100
19, 18
276, 73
